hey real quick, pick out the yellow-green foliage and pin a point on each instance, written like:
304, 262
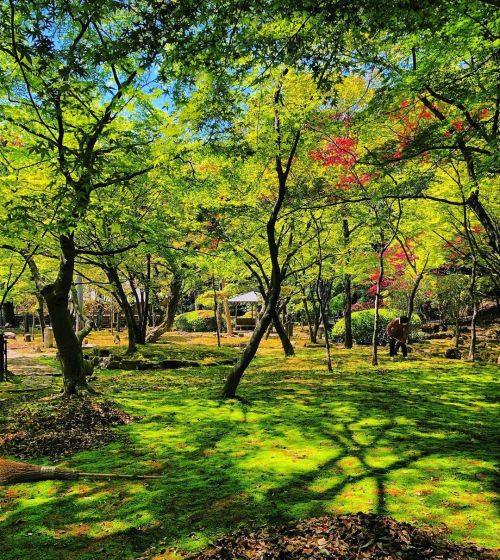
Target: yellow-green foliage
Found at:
202, 320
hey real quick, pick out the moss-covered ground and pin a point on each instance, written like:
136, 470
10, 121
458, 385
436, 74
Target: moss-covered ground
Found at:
416, 440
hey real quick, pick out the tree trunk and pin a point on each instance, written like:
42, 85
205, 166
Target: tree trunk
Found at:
145, 303
83, 325
56, 296
457, 330
327, 341
473, 333
312, 333
173, 301
169, 317
347, 312
411, 300
285, 341
490, 227
9, 315
233, 380
41, 316
133, 327
323, 293
276, 280
3, 365
377, 306
216, 311
227, 312
132, 340
347, 292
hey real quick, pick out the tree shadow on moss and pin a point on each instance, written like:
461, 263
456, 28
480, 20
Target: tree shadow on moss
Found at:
297, 448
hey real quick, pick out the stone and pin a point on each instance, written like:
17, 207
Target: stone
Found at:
103, 363
453, 354
9, 335
48, 339
28, 337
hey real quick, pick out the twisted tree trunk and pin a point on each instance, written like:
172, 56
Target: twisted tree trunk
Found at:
56, 296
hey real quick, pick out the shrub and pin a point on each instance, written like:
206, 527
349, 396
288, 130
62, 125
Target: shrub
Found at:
202, 320
362, 326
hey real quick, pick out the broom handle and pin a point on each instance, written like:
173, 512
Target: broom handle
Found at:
113, 475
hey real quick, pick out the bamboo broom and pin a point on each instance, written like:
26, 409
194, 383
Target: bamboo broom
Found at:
14, 472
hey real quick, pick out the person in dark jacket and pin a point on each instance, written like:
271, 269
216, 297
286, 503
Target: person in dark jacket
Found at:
398, 331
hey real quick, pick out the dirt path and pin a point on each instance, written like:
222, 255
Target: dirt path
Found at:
29, 372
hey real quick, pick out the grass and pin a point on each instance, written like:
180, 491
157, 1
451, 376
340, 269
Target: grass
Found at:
417, 441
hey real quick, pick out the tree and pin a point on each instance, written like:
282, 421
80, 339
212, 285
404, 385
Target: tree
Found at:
75, 78
438, 104
283, 165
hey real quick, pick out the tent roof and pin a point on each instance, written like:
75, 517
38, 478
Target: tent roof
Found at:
249, 297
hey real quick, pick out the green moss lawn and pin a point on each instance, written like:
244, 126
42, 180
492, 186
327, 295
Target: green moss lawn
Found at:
416, 440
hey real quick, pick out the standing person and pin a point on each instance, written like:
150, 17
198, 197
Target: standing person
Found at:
398, 331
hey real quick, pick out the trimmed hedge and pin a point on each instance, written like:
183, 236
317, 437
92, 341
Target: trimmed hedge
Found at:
202, 320
362, 326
